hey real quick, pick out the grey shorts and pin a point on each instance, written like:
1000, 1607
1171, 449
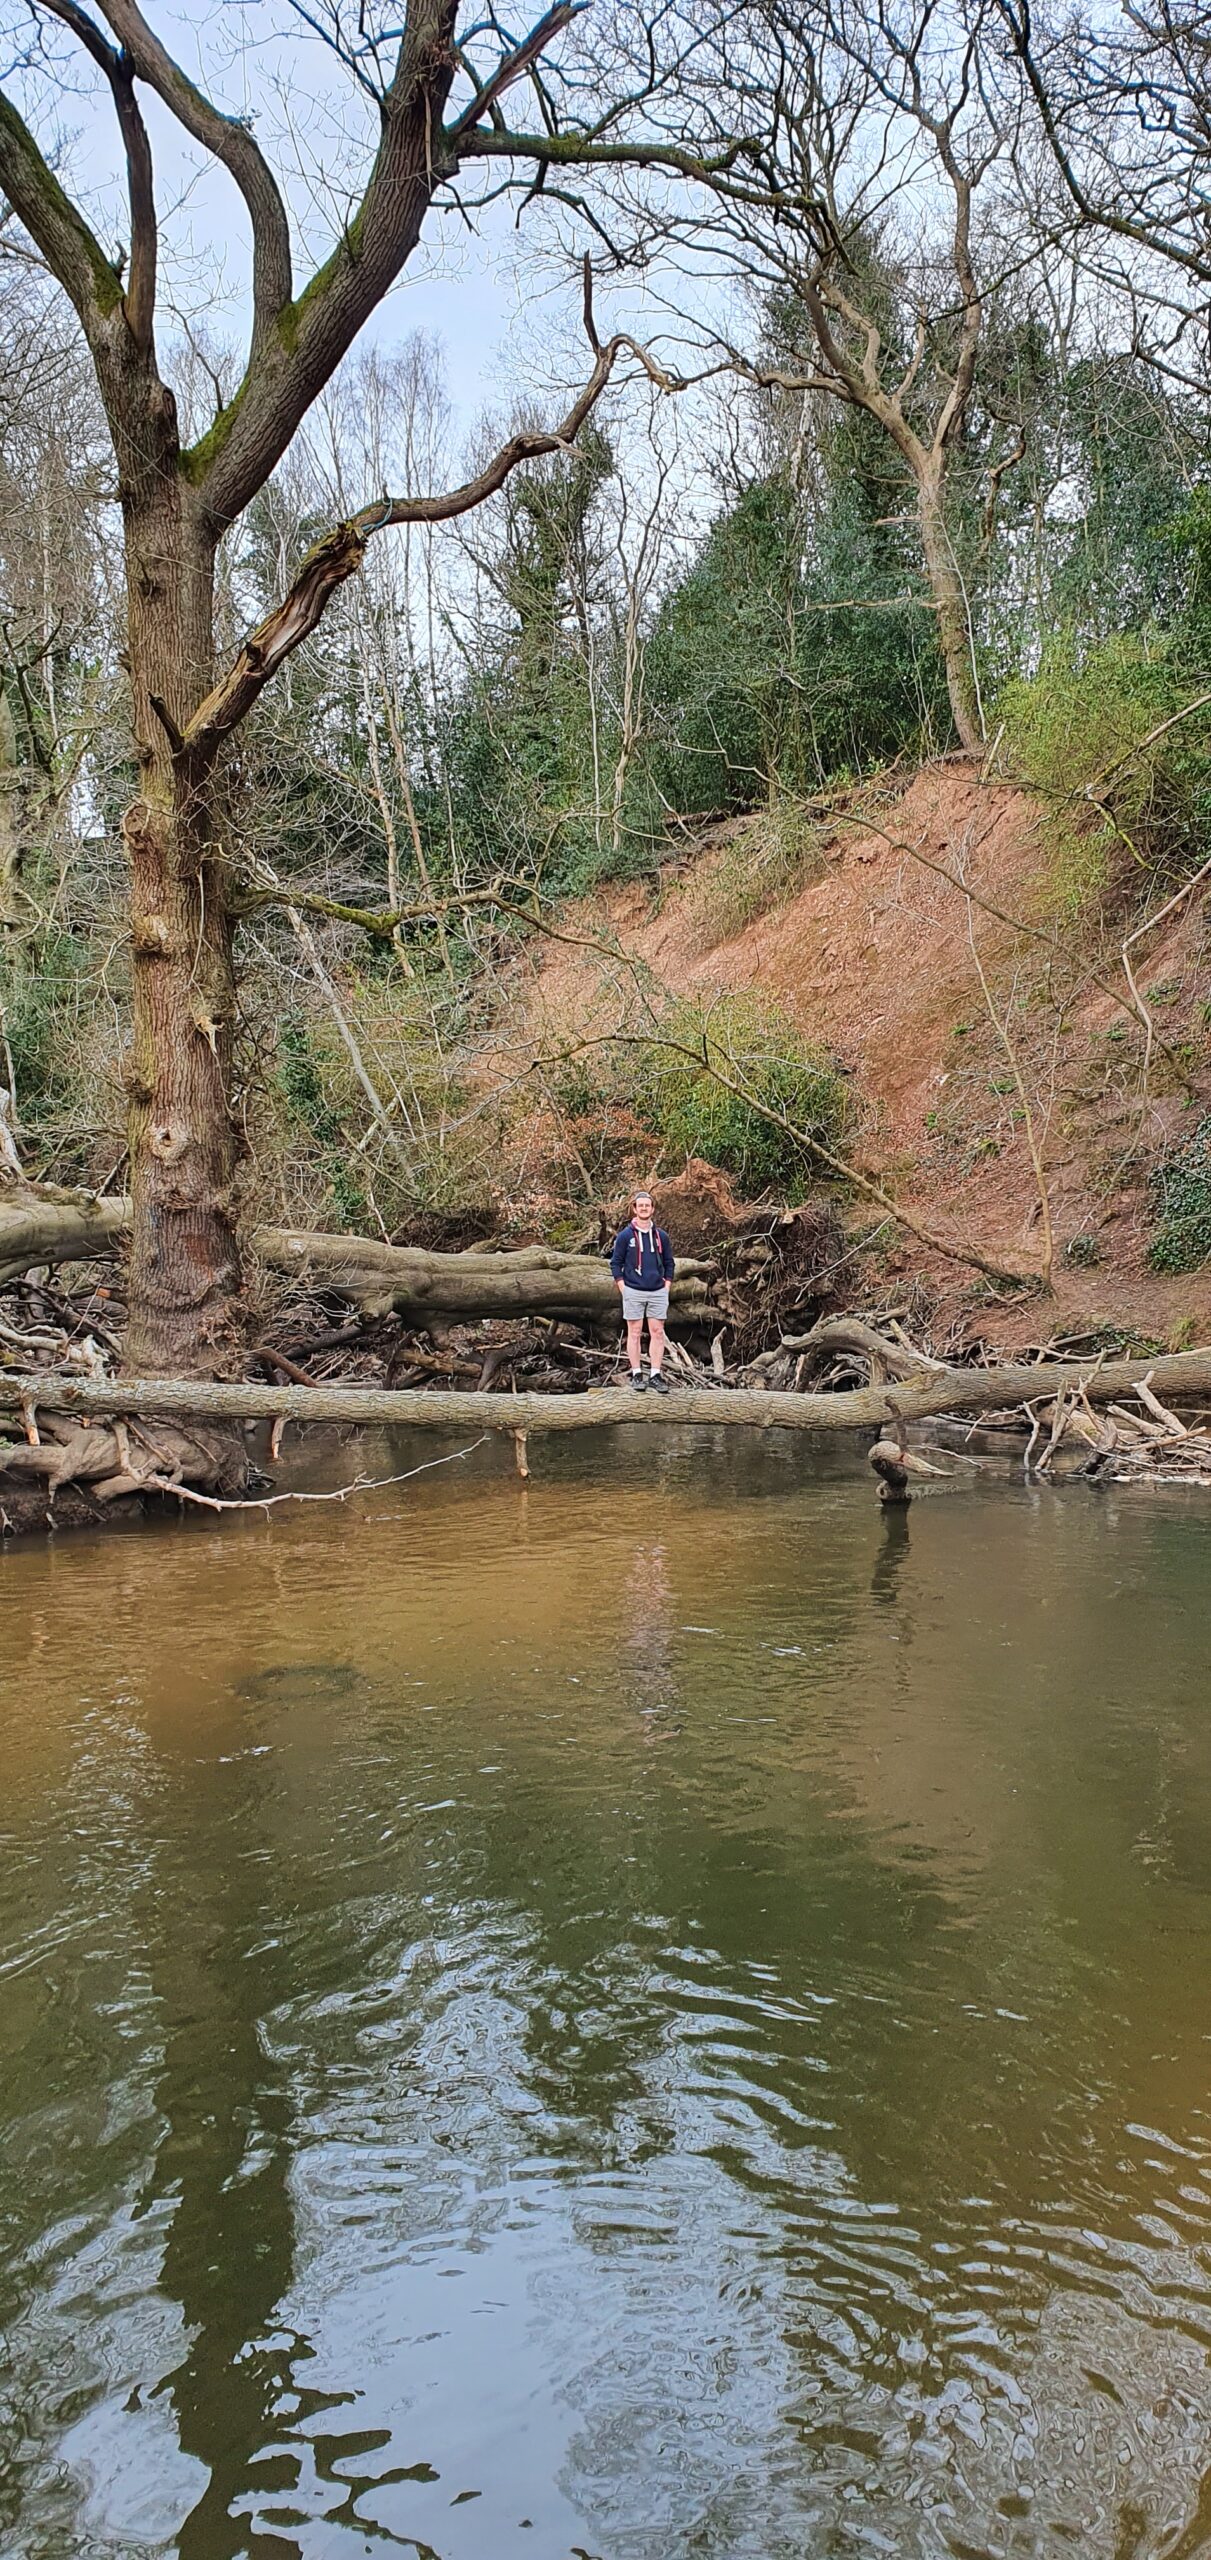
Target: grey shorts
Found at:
644, 1302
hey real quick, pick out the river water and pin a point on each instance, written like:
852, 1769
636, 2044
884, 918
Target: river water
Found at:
658, 2015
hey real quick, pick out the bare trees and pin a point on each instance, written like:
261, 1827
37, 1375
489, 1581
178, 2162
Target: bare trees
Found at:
914, 125
1125, 103
59, 686
177, 501
55, 482
841, 149
868, 185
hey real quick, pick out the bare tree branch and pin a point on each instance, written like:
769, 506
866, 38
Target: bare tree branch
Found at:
229, 141
140, 295
514, 67
1123, 105
55, 225
338, 554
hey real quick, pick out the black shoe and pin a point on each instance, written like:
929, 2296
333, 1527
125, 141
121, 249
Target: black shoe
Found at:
660, 1384
639, 1382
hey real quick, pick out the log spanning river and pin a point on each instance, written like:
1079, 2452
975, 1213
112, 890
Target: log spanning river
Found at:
657, 2014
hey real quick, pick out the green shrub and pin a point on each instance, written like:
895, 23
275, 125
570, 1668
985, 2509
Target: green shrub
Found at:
300, 1074
338, 1163
597, 1097
697, 1087
42, 1008
305, 1079
1081, 731
1181, 1197
740, 1043
1084, 1252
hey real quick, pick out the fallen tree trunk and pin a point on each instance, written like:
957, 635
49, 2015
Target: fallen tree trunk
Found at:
376, 1277
943, 1391
35, 1228
534, 1281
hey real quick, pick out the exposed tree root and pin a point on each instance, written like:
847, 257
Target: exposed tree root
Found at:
124, 1457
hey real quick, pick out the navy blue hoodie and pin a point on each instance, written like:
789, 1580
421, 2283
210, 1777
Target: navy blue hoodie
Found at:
642, 1262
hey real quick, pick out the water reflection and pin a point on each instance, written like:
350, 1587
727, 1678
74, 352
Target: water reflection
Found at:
892, 1555
222, 2165
436, 2116
646, 1623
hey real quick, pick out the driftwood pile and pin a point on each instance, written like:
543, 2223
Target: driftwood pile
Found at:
1059, 1437
1151, 1445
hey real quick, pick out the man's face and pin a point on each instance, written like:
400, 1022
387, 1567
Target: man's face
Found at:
643, 1209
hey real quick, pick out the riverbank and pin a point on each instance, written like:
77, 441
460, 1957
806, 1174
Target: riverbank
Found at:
1017, 1072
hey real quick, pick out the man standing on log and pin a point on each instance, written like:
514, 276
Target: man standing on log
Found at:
642, 1265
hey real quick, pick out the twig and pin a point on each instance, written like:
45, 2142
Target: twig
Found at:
340, 1493
1035, 1428
278, 1360
32, 1341
1149, 926
1176, 1429
1059, 1424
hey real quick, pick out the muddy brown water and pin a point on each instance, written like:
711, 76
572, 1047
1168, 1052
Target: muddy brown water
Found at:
658, 2015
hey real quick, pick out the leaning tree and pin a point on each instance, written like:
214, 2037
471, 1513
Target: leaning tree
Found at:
435, 99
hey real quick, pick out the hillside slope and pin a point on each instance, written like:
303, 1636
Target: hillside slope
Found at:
877, 956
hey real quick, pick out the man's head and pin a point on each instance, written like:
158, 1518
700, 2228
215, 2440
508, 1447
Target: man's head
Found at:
641, 1208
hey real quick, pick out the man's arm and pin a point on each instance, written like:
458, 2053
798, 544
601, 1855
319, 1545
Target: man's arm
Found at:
666, 1256
619, 1255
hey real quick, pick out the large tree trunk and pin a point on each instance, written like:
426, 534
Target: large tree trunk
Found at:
42, 1227
954, 628
14, 796
184, 1268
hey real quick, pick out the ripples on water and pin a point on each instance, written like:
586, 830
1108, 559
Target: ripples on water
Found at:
661, 2017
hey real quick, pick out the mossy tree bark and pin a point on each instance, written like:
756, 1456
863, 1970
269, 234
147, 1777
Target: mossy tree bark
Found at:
950, 602
184, 1301
184, 1308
